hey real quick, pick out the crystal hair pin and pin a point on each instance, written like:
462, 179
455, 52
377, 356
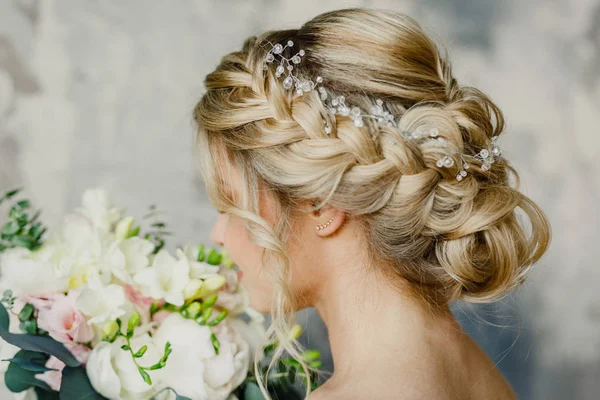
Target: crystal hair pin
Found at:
336, 105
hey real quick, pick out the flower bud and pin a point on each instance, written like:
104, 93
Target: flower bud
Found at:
124, 227
311, 355
191, 289
225, 260
193, 310
296, 331
214, 283
109, 330
134, 321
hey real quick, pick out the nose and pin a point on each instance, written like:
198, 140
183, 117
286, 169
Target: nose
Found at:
218, 230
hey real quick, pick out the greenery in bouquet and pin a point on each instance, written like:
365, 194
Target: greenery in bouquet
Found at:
100, 309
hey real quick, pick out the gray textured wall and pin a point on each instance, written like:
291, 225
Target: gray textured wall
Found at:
100, 92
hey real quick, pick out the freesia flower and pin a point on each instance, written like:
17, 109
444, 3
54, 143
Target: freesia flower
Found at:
113, 373
166, 278
101, 303
96, 206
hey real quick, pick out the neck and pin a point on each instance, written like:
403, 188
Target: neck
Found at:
368, 319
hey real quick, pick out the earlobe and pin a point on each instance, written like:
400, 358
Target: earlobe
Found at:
332, 224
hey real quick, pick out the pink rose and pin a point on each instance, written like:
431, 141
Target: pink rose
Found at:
64, 322
52, 378
41, 301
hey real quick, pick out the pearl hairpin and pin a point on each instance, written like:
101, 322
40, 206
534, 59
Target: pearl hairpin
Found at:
319, 227
337, 106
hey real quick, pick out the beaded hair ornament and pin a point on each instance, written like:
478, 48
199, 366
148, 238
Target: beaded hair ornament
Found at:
336, 105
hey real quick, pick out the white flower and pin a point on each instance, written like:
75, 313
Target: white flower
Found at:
253, 331
127, 257
194, 369
24, 272
101, 303
166, 278
113, 373
96, 206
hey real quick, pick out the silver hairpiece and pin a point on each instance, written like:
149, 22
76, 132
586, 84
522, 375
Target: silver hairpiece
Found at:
336, 105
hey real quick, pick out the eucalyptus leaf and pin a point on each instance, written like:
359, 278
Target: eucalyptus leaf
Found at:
43, 344
18, 379
252, 392
4, 318
46, 395
34, 364
76, 385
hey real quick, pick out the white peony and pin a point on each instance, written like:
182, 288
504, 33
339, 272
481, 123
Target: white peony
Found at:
25, 272
194, 369
101, 303
113, 373
166, 278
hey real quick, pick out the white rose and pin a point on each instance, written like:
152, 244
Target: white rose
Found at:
194, 369
22, 271
166, 278
113, 373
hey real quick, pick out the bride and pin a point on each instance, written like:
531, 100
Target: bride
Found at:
355, 175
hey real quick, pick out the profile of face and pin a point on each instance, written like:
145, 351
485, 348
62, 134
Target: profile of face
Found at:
307, 251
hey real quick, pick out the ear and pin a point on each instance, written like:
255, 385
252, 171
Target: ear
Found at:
327, 220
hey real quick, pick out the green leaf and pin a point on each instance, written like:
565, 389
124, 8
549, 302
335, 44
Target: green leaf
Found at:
76, 385
292, 376
18, 379
23, 204
22, 242
34, 364
26, 312
11, 228
43, 344
29, 326
252, 392
4, 318
46, 395
11, 193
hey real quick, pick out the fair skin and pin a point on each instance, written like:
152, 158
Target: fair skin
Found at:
385, 343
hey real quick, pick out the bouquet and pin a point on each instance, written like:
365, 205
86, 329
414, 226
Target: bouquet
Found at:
101, 309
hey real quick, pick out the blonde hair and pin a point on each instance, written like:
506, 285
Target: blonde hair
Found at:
449, 239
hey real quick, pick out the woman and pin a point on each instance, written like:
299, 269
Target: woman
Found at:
377, 208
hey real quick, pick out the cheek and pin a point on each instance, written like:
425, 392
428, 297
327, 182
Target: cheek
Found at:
247, 256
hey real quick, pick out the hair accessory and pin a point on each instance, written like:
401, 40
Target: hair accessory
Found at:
336, 105
319, 227
287, 64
